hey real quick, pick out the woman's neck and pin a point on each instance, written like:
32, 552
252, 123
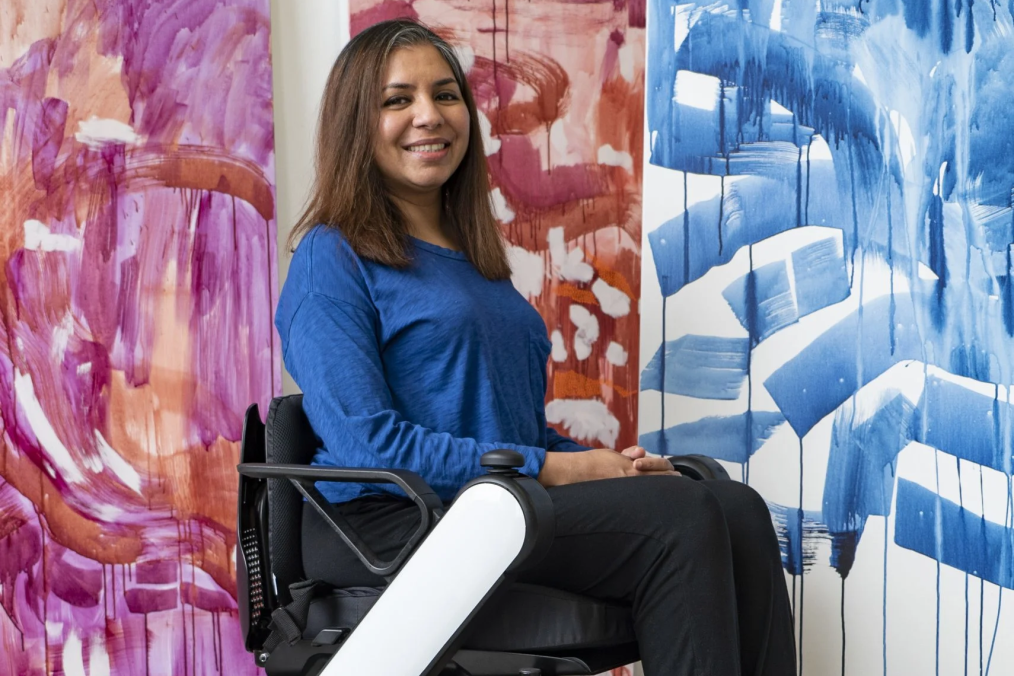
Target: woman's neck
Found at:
423, 220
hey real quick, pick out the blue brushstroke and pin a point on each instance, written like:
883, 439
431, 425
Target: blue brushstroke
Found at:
1007, 293
836, 31
969, 26
734, 438
733, 50
820, 281
964, 423
946, 27
859, 348
862, 463
937, 258
819, 379
863, 459
993, 224
991, 127
843, 551
966, 541
820, 275
754, 209
765, 296
799, 534
918, 15
706, 367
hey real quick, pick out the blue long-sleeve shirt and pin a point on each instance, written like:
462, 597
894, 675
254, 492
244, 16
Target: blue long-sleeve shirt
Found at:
424, 368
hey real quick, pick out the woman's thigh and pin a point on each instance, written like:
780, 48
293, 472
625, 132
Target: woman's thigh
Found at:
611, 534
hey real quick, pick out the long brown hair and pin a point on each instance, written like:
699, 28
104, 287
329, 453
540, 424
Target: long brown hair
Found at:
348, 192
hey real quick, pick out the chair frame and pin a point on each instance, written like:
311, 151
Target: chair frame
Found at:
258, 597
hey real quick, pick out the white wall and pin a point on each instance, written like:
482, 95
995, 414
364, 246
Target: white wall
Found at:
306, 36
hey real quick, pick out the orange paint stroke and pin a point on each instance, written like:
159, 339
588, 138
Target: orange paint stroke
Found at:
574, 385
577, 295
202, 168
66, 525
613, 278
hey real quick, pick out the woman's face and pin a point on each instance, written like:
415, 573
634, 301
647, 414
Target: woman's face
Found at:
423, 129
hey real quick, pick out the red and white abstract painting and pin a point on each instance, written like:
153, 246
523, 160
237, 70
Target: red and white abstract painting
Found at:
560, 87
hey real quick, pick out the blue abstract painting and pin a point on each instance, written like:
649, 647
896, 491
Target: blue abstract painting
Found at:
828, 304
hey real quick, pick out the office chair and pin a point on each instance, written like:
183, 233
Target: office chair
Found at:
450, 606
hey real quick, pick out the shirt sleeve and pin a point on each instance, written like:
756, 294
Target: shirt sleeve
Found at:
558, 443
333, 353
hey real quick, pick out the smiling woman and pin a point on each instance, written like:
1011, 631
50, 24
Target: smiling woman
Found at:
404, 86
415, 352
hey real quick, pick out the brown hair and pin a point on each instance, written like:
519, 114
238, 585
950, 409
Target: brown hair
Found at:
348, 192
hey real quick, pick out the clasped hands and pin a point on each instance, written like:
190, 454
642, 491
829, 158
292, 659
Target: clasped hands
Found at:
601, 463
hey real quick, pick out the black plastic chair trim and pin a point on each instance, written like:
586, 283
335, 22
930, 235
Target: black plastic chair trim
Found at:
304, 478
698, 467
256, 597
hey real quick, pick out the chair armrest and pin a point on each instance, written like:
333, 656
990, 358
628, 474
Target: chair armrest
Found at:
699, 467
304, 478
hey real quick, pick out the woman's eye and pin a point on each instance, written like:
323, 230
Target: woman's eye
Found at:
395, 101
447, 96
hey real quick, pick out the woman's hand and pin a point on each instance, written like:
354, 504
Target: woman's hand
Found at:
646, 464
601, 463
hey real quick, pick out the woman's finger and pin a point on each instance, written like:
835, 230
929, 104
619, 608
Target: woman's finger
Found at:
634, 452
652, 464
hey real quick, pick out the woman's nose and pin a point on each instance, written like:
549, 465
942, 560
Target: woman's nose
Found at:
427, 113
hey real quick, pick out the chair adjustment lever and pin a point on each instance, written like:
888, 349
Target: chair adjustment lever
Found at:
330, 636
502, 461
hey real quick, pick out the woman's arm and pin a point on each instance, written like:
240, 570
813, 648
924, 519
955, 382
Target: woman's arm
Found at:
560, 469
558, 443
332, 351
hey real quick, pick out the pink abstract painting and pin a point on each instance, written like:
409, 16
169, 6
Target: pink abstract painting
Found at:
137, 281
560, 86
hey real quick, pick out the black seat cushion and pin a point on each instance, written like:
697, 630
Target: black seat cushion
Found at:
525, 618
530, 618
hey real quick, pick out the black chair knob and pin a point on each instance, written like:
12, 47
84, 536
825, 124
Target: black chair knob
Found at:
502, 461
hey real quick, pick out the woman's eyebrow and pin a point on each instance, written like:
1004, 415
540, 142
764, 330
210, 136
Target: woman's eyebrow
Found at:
438, 83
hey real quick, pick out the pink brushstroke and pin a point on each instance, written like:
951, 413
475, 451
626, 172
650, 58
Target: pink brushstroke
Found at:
138, 285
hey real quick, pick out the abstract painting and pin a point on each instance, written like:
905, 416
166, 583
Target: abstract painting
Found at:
137, 244
828, 305
560, 87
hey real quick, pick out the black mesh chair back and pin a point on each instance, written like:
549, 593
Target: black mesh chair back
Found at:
290, 440
269, 538
254, 592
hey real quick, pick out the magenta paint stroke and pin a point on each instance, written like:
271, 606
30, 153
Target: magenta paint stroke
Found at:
137, 283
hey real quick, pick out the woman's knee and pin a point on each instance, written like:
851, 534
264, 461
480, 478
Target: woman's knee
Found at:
740, 500
745, 510
681, 502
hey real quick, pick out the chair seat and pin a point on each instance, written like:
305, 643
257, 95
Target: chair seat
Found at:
525, 618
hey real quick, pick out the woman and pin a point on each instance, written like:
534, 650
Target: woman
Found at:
413, 350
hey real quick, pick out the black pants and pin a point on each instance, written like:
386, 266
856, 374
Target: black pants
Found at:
698, 563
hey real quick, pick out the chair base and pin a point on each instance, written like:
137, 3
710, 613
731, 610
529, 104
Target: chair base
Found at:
304, 659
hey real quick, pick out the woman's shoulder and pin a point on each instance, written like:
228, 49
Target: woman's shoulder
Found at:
323, 263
